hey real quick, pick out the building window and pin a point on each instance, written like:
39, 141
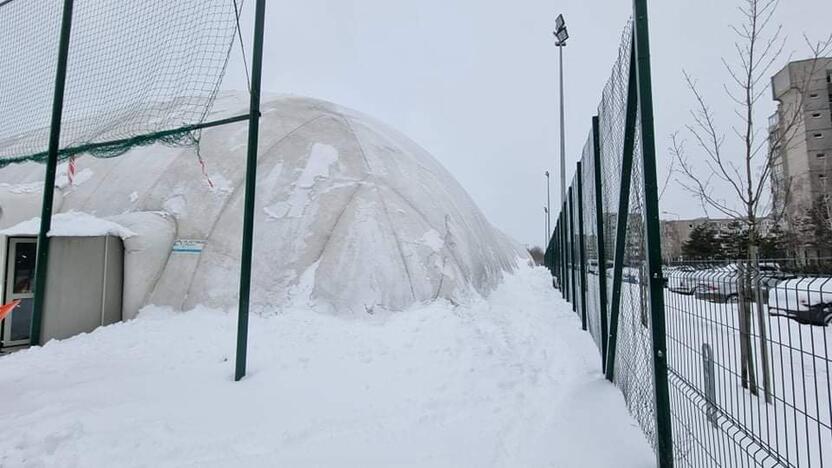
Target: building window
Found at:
813, 96
821, 155
816, 115
818, 135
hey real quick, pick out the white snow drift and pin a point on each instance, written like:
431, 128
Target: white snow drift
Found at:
350, 213
510, 381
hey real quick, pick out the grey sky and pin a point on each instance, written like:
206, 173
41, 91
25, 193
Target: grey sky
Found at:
474, 81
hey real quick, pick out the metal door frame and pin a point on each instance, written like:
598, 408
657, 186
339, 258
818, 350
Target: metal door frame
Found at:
11, 245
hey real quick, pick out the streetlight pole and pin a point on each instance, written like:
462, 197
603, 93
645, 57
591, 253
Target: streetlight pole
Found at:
546, 225
561, 35
548, 209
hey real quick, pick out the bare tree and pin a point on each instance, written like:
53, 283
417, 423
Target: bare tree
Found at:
747, 173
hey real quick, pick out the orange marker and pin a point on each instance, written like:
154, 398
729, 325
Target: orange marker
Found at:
6, 309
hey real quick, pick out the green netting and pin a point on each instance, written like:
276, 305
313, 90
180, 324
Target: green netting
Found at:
590, 240
138, 72
633, 358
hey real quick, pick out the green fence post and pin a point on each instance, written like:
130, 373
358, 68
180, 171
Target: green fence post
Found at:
562, 265
664, 437
572, 262
566, 250
251, 180
599, 229
547, 255
623, 217
561, 259
581, 250
42, 255
556, 256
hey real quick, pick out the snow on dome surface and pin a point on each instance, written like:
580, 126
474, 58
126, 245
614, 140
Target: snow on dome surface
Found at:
350, 214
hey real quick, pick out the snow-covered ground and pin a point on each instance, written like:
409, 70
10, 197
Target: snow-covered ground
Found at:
509, 381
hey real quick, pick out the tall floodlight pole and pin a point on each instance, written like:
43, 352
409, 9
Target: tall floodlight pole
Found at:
251, 177
548, 209
561, 35
546, 226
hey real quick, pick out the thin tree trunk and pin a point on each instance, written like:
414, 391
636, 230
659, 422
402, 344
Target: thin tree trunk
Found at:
749, 379
761, 325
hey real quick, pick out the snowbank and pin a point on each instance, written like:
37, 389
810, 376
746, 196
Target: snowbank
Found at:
508, 382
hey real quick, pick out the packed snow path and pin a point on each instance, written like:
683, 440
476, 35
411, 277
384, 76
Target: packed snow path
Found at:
510, 381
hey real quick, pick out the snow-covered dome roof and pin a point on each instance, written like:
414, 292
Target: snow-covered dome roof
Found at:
350, 213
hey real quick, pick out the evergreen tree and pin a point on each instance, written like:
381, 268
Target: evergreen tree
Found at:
702, 244
774, 244
734, 241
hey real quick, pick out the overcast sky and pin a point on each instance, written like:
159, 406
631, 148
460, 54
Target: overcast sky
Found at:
474, 82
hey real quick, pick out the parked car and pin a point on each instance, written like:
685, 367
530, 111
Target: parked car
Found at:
717, 284
721, 284
628, 274
682, 279
807, 300
669, 272
592, 267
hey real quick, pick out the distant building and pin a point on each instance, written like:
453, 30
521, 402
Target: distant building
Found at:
801, 145
676, 232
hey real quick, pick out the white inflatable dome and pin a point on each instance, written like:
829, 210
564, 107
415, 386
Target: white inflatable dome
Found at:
350, 215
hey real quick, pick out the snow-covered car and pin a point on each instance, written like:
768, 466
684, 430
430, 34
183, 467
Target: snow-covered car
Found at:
592, 267
807, 300
628, 274
674, 271
682, 279
721, 284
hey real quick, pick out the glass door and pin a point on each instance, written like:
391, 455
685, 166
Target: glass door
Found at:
20, 276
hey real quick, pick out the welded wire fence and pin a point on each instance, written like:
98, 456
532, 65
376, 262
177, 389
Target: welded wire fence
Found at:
748, 350
720, 364
748, 342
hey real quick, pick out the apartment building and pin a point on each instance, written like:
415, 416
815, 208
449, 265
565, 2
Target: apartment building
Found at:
800, 138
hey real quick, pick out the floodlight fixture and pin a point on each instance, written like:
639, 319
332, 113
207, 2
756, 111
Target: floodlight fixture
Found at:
561, 33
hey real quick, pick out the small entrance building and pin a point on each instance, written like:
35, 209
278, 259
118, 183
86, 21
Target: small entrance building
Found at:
84, 288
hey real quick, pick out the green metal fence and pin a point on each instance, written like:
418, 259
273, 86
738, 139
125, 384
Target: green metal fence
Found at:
749, 363
721, 365
608, 232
